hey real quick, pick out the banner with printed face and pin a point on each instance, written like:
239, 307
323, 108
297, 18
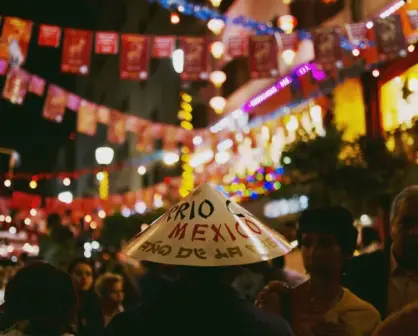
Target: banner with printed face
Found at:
207, 229
87, 119
163, 46
390, 39
16, 86
134, 57
14, 41
116, 131
49, 36
55, 104
76, 51
195, 58
262, 56
107, 43
327, 47
37, 85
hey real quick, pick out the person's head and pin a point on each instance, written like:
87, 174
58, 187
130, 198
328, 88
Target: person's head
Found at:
42, 298
404, 227
82, 272
109, 287
53, 220
327, 238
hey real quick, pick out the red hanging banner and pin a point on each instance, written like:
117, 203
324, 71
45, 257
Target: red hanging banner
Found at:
163, 46
237, 46
327, 47
87, 119
262, 56
107, 43
195, 58
116, 130
76, 51
73, 102
55, 103
49, 36
16, 86
389, 36
103, 114
134, 56
37, 85
15, 40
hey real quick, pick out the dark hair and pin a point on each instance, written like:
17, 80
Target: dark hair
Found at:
334, 220
53, 220
42, 295
77, 261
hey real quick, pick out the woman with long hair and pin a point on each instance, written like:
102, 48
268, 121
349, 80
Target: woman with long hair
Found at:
90, 316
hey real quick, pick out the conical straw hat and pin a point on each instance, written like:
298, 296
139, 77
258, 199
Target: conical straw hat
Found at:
207, 229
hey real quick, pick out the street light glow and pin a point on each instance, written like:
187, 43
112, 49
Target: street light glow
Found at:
104, 155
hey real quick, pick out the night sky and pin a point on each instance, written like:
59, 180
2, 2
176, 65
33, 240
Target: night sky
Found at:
22, 127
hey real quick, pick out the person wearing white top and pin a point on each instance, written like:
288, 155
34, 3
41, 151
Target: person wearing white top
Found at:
321, 306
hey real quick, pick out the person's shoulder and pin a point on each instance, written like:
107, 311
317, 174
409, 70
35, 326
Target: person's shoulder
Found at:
352, 300
400, 323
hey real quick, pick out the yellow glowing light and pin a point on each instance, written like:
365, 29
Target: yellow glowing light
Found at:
217, 78
33, 184
218, 103
287, 23
186, 125
87, 218
174, 18
215, 3
183, 115
93, 225
216, 26
186, 107
217, 49
186, 97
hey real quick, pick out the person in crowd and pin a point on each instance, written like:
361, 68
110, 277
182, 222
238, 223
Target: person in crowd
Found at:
40, 300
90, 316
402, 323
58, 247
321, 306
154, 283
111, 264
388, 279
255, 277
202, 302
109, 288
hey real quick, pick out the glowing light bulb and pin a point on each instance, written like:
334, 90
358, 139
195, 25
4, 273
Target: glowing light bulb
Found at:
174, 18
66, 181
7, 183
33, 184
217, 49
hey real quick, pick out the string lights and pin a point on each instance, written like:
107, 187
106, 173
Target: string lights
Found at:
185, 117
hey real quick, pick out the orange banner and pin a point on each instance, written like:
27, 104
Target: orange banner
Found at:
87, 118
16, 85
15, 38
55, 103
116, 130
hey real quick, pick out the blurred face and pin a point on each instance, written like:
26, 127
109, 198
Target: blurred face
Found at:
116, 295
83, 276
404, 233
321, 254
